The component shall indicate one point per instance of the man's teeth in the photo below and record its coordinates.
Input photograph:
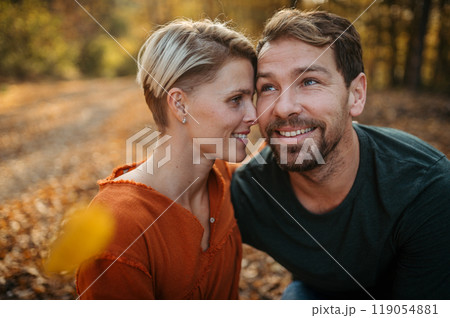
(242, 136)
(295, 132)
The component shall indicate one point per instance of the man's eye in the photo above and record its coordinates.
(309, 82)
(267, 88)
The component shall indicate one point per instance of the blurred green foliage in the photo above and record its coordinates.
(31, 43)
(42, 39)
(406, 43)
(99, 57)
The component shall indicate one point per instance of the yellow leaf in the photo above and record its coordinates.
(85, 234)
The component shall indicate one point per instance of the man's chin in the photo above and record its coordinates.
(291, 162)
(303, 167)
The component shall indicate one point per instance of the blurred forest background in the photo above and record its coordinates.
(406, 42)
(68, 102)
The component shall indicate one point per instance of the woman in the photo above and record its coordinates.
(176, 235)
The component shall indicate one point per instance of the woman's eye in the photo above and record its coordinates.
(309, 82)
(236, 99)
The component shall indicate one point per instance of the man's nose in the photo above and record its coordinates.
(287, 104)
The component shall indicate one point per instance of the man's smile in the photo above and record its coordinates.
(294, 133)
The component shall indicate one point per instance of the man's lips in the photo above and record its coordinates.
(294, 132)
(293, 127)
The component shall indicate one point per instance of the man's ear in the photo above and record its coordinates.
(176, 100)
(357, 95)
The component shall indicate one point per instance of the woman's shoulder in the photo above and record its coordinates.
(226, 169)
(132, 204)
(132, 209)
(129, 199)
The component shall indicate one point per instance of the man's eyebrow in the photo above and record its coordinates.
(312, 68)
(268, 74)
(298, 71)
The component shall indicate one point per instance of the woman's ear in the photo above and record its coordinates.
(357, 97)
(176, 100)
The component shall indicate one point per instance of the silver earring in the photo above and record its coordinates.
(184, 120)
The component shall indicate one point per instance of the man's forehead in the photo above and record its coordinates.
(294, 54)
(287, 47)
(263, 50)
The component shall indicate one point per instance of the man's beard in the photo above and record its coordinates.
(324, 146)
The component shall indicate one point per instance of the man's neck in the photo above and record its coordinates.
(322, 189)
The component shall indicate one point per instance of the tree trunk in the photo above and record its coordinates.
(422, 10)
(393, 18)
(442, 68)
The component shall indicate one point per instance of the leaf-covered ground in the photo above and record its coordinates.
(57, 139)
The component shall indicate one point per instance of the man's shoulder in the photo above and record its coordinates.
(394, 146)
(405, 169)
(260, 175)
(259, 166)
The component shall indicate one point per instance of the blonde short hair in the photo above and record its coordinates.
(185, 54)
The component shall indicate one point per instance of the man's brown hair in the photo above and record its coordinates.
(319, 28)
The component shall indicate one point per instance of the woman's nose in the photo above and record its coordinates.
(250, 113)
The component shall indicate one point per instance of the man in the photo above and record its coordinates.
(352, 211)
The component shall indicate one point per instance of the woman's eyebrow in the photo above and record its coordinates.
(242, 91)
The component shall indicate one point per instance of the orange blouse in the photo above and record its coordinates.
(160, 241)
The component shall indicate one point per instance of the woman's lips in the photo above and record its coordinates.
(242, 136)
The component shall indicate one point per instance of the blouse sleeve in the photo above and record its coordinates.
(105, 278)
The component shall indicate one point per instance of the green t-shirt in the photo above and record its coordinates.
(391, 232)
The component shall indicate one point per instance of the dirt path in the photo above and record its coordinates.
(57, 139)
(52, 148)
(45, 139)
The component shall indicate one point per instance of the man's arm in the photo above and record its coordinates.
(423, 264)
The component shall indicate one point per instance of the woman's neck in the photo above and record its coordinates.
(171, 171)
